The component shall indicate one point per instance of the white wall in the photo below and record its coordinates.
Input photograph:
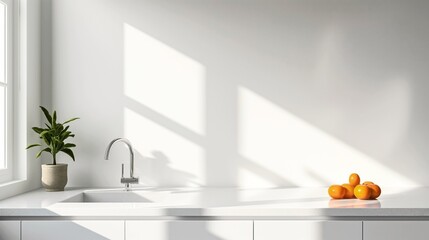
(245, 93)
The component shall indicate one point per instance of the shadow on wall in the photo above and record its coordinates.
(312, 68)
(157, 170)
(272, 93)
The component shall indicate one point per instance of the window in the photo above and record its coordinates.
(6, 89)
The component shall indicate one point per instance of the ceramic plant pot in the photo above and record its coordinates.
(54, 177)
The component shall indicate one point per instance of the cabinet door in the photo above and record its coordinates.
(396, 230)
(72, 230)
(189, 230)
(308, 230)
(10, 230)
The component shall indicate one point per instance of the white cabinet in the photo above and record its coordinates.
(189, 230)
(396, 230)
(72, 230)
(10, 230)
(308, 230)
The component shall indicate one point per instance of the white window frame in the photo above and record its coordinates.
(6, 174)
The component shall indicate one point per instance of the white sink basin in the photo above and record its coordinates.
(110, 196)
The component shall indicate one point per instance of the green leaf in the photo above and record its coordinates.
(33, 145)
(65, 135)
(52, 147)
(65, 129)
(47, 139)
(44, 133)
(38, 130)
(60, 128)
(70, 120)
(44, 150)
(69, 145)
(60, 145)
(68, 152)
(54, 119)
(47, 115)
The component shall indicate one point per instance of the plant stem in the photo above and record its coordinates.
(54, 156)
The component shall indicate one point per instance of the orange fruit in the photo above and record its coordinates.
(354, 179)
(336, 191)
(362, 192)
(367, 183)
(375, 191)
(349, 190)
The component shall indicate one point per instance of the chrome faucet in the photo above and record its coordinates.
(131, 179)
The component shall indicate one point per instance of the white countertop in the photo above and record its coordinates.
(220, 203)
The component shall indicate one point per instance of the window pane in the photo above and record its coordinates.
(2, 127)
(2, 42)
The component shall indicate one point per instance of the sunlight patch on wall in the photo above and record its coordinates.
(163, 79)
(168, 158)
(303, 155)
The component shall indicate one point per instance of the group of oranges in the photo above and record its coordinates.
(353, 189)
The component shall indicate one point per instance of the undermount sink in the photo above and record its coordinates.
(104, 196)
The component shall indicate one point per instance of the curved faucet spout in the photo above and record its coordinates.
(130, 148)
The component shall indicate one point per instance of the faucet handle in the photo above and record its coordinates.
(133, 180)
(122, 176)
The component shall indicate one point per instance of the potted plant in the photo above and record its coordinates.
(54, 175)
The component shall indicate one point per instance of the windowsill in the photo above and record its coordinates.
(12, 182)
(13, 188)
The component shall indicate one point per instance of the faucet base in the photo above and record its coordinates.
(128, 181)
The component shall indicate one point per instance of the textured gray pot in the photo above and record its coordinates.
(54, 177)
